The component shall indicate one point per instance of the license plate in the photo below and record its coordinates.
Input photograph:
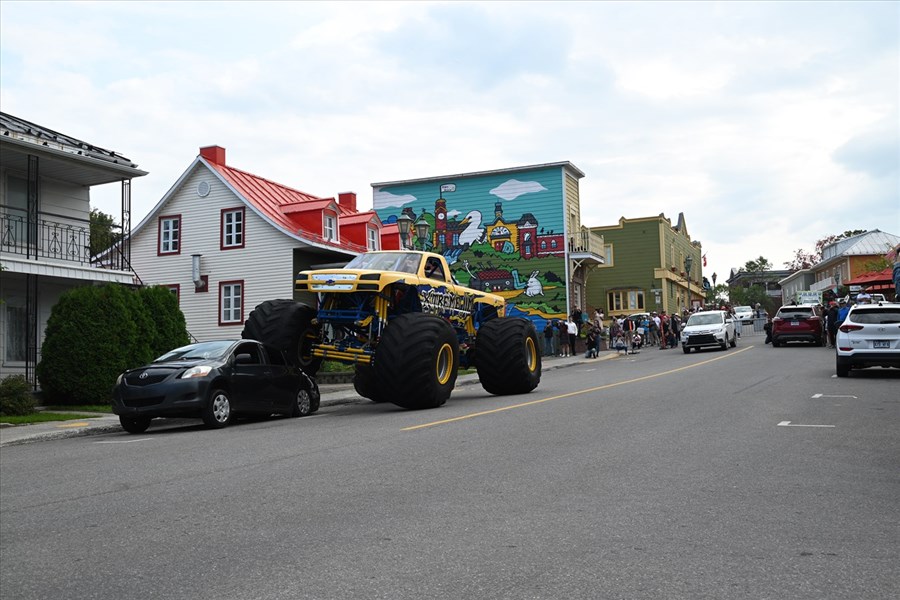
(795, 323)
(881, 344)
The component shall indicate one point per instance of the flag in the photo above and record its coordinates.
(704, 260)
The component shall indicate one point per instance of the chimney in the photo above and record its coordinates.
(347, 200)
(214, 154)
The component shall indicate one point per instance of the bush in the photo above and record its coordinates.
(95, 333)
(164, 327)
(16, 397)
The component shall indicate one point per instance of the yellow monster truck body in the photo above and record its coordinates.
(406, 325)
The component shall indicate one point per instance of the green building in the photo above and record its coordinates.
(651, 265)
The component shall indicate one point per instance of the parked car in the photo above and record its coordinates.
(744, 314)
(708, 328)
(868, 337)
(214, 381)
(797, 323)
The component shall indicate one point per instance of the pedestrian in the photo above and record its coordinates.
(557, 350)
(831, 316)
(591, 343)
(663, 330)
(548, 338)
(653, 328)
(572, 329)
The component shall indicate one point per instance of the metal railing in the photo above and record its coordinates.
(67, 240)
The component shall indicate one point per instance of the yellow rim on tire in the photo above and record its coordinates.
(532, 354)
(444, 364)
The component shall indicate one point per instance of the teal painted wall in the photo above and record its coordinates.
(500, 232)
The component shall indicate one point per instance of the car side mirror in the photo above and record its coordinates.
(243, 359)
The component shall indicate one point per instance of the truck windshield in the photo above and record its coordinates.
(705, 319)
(407, 262)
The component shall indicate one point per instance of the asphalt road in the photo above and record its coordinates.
(752, 473)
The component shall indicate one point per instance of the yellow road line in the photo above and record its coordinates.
(570, 394)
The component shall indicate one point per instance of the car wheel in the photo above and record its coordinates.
(685, 349)
(733, 342)
(775, 343)
(135, 424)
(217, 413)
(724, 345)
(302, 404)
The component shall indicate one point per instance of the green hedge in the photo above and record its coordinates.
(16, 397)
(94, 333)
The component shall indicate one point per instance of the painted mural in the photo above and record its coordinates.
(501, 233)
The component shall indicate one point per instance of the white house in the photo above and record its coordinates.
(225, 240)
(45, 193)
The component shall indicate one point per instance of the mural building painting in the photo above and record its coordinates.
(500, 232)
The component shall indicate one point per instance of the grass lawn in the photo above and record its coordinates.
(50, 413)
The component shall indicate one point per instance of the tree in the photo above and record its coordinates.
(103, 234)
(805, 260)
(760, 265)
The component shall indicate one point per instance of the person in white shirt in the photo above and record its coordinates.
(572, 328)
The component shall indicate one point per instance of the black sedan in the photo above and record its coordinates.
(214, 381)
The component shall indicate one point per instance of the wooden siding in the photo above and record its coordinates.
(265, 264)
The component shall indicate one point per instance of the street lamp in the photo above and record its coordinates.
(403, 223)
(688, 263)
(422, 227)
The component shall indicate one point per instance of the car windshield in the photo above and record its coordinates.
(705, 319)
(742, 309)
(879, 316)
(203, 350)
(797, 312)
(387, 261)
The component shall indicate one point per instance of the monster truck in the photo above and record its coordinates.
(406, 325)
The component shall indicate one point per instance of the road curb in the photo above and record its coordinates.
(333, 394)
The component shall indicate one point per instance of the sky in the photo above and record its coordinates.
(769, 125)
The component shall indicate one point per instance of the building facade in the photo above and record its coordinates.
(45, 236)
(513, 232)
(651, 265)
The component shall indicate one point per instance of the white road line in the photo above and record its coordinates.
(833, 396)
(125, 441)
(789, 424)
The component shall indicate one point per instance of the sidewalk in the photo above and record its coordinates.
(333, 394)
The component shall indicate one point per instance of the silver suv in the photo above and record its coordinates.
(868, 337)
(708, 328)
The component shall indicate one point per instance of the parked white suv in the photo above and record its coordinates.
(708, 328)
(868, 337)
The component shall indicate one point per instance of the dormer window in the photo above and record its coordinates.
(329, 228)
(372, 238)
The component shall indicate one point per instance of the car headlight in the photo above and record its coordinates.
(201, 371)
(119, 379)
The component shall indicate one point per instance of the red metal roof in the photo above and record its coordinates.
(884, 276)
(278, 202)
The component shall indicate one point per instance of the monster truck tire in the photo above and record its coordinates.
(416, 361)
(365, 384)
(285, 324)
(507, 357)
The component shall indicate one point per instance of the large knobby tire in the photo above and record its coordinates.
(218, 411)
(134, 424)
(286, 325)
(507, 357)
(416, 361)
(365, 384)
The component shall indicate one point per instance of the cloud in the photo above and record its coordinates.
(513, 188)
(384, 199)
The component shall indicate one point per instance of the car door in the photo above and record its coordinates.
(251, 379)
(283, 380)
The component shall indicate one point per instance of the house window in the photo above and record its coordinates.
(232, 226)
(16, 323)
(169, 235)
(329, 229)
(608, 250)
(231, 303)
(175, 288)
(16, 196)
(372, 238)
(626, 300)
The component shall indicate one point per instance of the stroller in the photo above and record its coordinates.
(637, 342)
